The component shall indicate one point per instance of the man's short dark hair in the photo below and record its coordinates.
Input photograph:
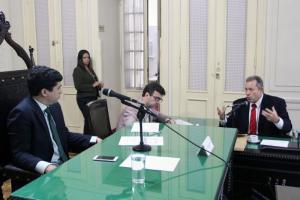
(152, 87)
(259, 81)
(42, 77)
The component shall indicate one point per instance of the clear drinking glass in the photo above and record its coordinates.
(138, 168)
(138, 191)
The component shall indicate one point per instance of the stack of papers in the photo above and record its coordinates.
(135, 140)
(182, 122)
(275, 143)
(155, 163)
(147, 127)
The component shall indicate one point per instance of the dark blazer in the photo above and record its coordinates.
(240, 119)
(83, 82)
(29, 136)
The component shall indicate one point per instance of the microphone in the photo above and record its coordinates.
(111, 93)
(236, 106)
(244, 103)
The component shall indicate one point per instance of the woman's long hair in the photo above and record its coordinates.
(90, 66)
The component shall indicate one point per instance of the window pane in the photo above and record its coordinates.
(139, 42)
(129, 78)
(131, 41)
(130, 23)
(138, 6)
(138, 22)
(128, 6)
(139, 79)
(139, 60)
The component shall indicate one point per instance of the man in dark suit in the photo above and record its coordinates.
(39, 138)
(258, 113)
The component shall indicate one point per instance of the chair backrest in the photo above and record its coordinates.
(99, 124)
(13, 88)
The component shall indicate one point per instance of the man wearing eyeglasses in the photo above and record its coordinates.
(151, 97)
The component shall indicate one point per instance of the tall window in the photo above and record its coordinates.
(236, 45)
(68, 27)
(198, 45)
(153, 39)
(42, 32)
(134, 43)
(141, 50)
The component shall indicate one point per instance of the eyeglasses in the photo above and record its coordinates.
(158, 99)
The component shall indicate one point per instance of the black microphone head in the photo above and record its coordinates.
(245, 103)
(106, 91)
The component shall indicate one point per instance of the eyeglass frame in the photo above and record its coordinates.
(157, 99)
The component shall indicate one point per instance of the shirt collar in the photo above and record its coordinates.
(42, 106)
(258, 103)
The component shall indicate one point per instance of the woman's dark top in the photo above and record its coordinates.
(83, 82)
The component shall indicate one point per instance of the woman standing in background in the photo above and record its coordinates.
(86, 83)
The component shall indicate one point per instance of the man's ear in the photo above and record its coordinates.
(147, 94)
(43, 92)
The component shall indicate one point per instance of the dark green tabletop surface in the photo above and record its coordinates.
(195, 177)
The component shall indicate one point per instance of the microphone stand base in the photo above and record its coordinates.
(142, 148)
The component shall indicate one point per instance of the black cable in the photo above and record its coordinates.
(182, 174)
(196, 144)
(149, 111)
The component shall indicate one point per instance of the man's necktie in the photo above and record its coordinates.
(55, 136)
(253, 119)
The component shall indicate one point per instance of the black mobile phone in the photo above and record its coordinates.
(105, 158)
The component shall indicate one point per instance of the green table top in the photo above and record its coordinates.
(195, 177)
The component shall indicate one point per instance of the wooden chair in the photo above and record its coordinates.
(13, 88)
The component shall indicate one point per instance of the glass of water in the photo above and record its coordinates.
(138, 168)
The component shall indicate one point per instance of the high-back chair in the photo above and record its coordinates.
(13, 88)
(99, 124)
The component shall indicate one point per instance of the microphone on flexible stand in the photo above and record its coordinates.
(236, 106)
(142, 110)
(111, 93)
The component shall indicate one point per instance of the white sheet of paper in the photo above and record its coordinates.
(134, 140)
(155, 163)
(182, 122)
(275, 143)
(147, 127)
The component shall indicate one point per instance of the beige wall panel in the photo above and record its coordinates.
(293, 107)
(72, 115)
(283, 45)
(282, 59)
(196, 108)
